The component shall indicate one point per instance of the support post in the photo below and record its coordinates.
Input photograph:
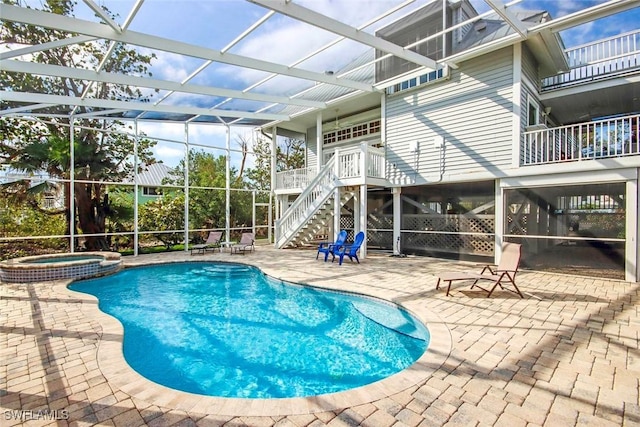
(319, 142)
(363, 219)
(632, 250)
(499, 221)
(336, 212)
(186, 189)
(397, 219)
(227, 205)
(253, 212)
(270, 219)
(272, 189)
(364, 157)
(72, 186)
(136, 196)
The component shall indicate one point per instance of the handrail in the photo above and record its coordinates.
(309, 200)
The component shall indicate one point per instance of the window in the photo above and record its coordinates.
(152, 191)
(344, 134)
(532, 113)
(329, 138)
(356, 131)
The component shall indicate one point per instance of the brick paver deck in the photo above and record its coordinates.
(566, 354)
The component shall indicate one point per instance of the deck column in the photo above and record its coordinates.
(397, 219)
(363, 219)
(498, 221)
(319, 142)
(336, 212)
(632, 252)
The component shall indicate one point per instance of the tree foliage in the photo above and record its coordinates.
(290, 154)
(164, 214)
(100, 153)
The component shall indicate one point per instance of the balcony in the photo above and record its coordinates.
(354, 166)
(616, 137)
(604, 59)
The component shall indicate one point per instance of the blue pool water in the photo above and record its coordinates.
(228, 330)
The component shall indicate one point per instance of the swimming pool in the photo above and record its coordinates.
(228, 330)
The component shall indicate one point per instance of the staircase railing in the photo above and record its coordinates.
(312, 198)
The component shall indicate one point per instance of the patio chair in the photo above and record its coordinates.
(211, 244)
(246, 244)
(350, 250)
(503, 274)
(329, 248)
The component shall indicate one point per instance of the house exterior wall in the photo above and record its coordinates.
(312, 150)
(472, 111)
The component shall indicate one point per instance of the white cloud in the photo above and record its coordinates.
(285, 41)
(210, 138)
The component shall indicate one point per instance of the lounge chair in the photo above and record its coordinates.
(503, 274)
(211, 244)
(329, 248)
(246, 244)
(350, 250)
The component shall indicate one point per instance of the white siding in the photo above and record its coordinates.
(472, 111)
(312, 150)
(530, 67)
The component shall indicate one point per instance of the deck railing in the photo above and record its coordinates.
(614, 137)
(295, 178)
(607, 57)
(353, 161)
(350, 164)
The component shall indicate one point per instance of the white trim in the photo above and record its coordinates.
(532, 101)
(517, 105)
(586, 177)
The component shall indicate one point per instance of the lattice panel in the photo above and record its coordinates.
(517, 224)
(441, 242)
(380, 239)
(380, 221)
(467, 224)
(346, 222)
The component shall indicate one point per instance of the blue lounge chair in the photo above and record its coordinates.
(350, 250)
(331, 248)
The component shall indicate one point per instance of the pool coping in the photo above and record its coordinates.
(112, 364)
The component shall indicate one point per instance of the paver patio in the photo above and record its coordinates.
(566, 354)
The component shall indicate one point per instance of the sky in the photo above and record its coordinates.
(215, 23)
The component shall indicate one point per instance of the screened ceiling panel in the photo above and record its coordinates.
(251, 62)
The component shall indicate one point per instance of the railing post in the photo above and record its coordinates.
(336, 165)
(363, 161)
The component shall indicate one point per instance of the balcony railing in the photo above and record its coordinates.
(350, 163)
(607, 57)
(295, 178)
(614, 137)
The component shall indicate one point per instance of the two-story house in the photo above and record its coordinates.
(512, 137)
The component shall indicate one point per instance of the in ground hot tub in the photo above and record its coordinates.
(41, 268)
